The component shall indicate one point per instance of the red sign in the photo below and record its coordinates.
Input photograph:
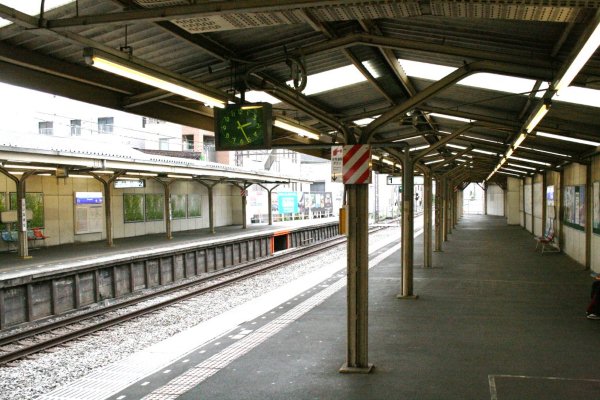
(357, 164)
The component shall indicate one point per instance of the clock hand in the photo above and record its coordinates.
(241, 128)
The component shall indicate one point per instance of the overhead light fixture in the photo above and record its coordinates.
(519, 140)
(179, 176)
(433, 161)
(509, 173)
(456, 146)
(103, 171)
(567, 138)
(521, 166)
(482, 139)
(30, 167)
(513, 170)
(386, 161)
(375, 157)
(540, 113)
(509, 152)
(489, 153)
(141, 174)
(588, 49)
(425, 146)
(531, 161)
(452, 117)
(364, 121)
(80, 176)
(546, 152)
(295, 127)
(130, 70)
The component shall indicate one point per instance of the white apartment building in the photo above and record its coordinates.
(26, 112)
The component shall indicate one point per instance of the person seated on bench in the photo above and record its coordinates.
(593, 310)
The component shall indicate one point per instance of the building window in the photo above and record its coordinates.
(105, 124)
(75, 127)
(46, 128)
(188, 142)
(148, 121)
(163, 144)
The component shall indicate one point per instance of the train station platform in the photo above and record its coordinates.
(494, 320)
(76, 255)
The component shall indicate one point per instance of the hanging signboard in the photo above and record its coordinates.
(129, 183)
(337, 160)
(394, 180)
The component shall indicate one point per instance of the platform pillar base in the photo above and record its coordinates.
(410, 297)
(345, 369)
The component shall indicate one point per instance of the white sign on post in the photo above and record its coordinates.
(337, 162)
(23, 216)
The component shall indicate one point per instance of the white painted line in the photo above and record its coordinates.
(494, 393)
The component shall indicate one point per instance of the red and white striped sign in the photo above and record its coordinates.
(357, 164)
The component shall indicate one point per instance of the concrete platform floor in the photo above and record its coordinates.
(494, 320)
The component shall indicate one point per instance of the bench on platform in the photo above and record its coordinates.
(547, 242)
(10, 239)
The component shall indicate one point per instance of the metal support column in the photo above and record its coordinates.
(444, 190)
(358, 280)
(427, 223)
(270, 210)
(450, 204)
(168, 212)
(269, 199)
(589, 204)
(439, 226)
(107, 187)
(108, 213)
(244, 196)
(22, 218)
(544, 201)
(211, 211)
(167, 205)
(455, 209)
(485, 198)
(408, 242)
(376, 200)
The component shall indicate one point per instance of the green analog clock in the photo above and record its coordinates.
(242, 127)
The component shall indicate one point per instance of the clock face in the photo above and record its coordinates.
(243, 127)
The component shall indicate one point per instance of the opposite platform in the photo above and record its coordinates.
(63, 257)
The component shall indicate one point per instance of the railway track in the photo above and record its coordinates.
(43, 337)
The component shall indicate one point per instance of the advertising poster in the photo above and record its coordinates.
(89, 215)
(575, 207)
(287, 202)
(596, 209)
(550, 195)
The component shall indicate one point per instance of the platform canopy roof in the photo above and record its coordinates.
(415, 72)
(78, 157)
